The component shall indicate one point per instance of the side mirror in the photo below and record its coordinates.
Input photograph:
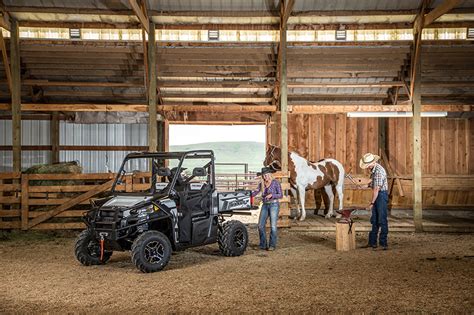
(163, 171)
(199, 171)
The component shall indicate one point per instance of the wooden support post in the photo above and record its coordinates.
(283, 93)
(54, 136)
(152, 115)
(416, 121)
(24, 201)
(284, 97)
(16, 95)
(6, 63)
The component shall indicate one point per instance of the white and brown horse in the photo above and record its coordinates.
(305, 175)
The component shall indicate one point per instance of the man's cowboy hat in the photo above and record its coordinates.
(368, 159)
(265, 170)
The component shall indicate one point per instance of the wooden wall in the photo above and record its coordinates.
(448, 150)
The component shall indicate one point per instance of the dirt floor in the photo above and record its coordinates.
(419, 273)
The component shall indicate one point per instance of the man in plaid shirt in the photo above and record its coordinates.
(379, 201)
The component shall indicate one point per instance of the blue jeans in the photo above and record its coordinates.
(379, 220)
(268, 210)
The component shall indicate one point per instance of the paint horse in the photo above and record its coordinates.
(305, 175)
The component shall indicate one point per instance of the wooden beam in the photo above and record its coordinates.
(344, 108)
(5, 20)
(345, 85)
(16, 95)
(152, 110)
(236, 108)
(35, 82)
(441, 9)
(286, 9)
(415, 92)
(217, 108)
(54, 136)
(140, 108)
(141, 15)
(6, 63)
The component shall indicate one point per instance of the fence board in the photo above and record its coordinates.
(24, 201)
(70, 203)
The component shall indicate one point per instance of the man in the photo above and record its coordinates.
(379, 201)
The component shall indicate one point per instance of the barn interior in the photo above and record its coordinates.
(327, 79)
(94, 80)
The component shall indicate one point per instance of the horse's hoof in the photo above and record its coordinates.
(338, 216)
(328, 216)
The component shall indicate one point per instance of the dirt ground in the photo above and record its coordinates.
(419, 273)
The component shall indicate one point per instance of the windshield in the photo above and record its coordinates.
(135, 175)
(141, 173)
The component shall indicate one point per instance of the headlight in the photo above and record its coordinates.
(145, 210)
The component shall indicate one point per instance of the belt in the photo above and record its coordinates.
(271, 201)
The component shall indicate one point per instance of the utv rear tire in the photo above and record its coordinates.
(151, 251)
(232, 238)
(87, 250)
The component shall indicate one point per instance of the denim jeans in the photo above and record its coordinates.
(268, 210)
(379, 220)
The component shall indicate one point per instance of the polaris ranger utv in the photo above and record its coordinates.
(167, 212)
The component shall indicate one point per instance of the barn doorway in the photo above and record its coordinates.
(238, 149)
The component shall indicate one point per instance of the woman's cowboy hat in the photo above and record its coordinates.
(265, 170)
(368, 159)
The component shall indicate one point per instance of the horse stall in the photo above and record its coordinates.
(87, 82)
(448, 184)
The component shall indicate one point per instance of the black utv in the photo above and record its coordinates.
(168, 211)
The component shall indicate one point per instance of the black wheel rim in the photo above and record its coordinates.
(239, 238)
(154, 252)
(93, 248)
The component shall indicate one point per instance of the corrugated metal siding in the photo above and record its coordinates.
(35, 132)
(104, 135)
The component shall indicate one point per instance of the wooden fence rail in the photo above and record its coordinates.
(57, 201)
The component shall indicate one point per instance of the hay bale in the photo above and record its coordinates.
(72, 167)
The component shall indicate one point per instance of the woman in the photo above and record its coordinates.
(271, 192)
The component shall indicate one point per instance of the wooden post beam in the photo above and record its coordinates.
(286, 9)
(152, 110)
(5, 20)
(54, 136)
(441, 9)
(16, 95)
(141, 15)
(6, 63)
(416, 121)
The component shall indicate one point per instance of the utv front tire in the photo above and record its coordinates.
(87, 250)
(232, 238)
(151, 251)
